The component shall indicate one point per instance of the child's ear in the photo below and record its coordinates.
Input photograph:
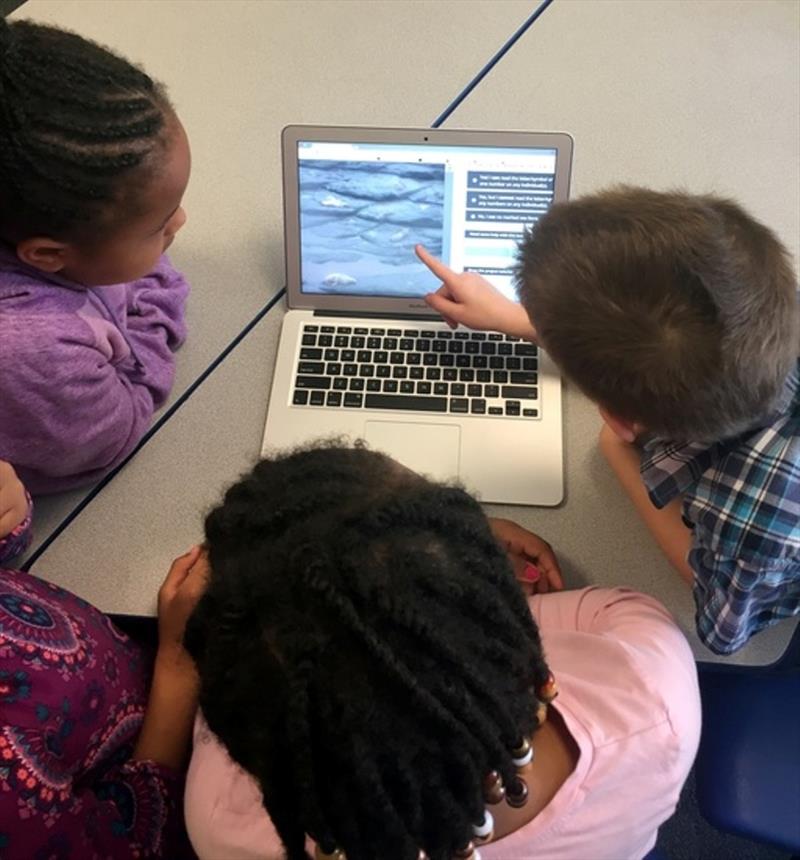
(47, 255)
(626, 430)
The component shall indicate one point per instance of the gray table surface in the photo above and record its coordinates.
(663, 93)
(238, 71)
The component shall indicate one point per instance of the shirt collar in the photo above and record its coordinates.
(669, 469)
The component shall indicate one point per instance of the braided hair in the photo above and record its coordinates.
(75, 123)
(364, 652)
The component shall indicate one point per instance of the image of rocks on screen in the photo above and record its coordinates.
(360, 221)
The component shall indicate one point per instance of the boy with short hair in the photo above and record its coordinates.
(677, 314)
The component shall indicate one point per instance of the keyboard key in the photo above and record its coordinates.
(446, 360)
(357, 342)
(312, 382)
(525, 349)
(530, 364)
(396, 358)
(399, 372)
(353, 400)
(483, 375)
(472, 347)
(406, 387)
(466, 375)
(497, 362)
(350, 370)
(474, 390)
(455, 346)
(491, 391)
(440, 388)
(445, 335)
(356, 384)
(429, 359)
(331, 354)
(423, 344)
(513, 363)
(489, 348)
(439, 346)
(433, 373)
(530, 413)
(512, 339)
(406, 343)
(334, 369)
(410, 332)
(523, 378)
(512, 407)
(390, 385)
(373, 343)
(500, 377)
(428, 333)
(373, 385)
(415, 403)
(340, 384)
(463, 361)
(495, 337)
(366, 370)
(519, 392)
(383, 370)
(308, 340)
(311, 367)
(390, 343)
(450, 374)
(348, 355)
(300, 398)
(457, 389)
(377, 331)
(459, 404)
(416, 372)
(477, 407)
(340, 340)
(380, 357)
(310, 354)
(394, 332)
(478, 335)
(334, 398)
(461, 335)
(360, 331)
(317, 398)
(495, 410)
(328, 329)
(480, 361)
(311, 328)
(344, 329)
(505, 349)
(424, 388)
(413, 358)
(324, 340)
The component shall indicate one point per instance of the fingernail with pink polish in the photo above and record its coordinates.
(531, 573)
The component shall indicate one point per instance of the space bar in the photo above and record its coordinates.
(417, 404)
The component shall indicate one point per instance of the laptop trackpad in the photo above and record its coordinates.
(430, 449)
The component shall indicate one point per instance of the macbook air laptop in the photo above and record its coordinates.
(362, 356)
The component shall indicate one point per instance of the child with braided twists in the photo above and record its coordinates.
(373, 683)
(93, 166)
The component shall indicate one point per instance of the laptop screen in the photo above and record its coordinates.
(363, 207)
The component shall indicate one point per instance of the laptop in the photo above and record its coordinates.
(362, 356)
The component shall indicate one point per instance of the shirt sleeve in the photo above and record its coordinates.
(68, 414)
(156, 326)
(131, 811)
(730, 596)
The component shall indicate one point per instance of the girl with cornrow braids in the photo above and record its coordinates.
(93, 166)
(373, 681)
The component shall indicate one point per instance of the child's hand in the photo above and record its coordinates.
(470, 299)
(177, 598)
(526, 550)
(13, 500)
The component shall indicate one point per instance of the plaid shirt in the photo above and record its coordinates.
(741, 497)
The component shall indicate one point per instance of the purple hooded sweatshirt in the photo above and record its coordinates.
(82, 370)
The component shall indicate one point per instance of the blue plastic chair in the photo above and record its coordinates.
(748, 765)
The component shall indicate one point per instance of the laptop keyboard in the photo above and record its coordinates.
(417, 369)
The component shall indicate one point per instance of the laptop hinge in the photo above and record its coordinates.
(379, 316)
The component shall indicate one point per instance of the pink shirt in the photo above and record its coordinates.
(629, 696)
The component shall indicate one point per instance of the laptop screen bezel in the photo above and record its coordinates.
(370, 304)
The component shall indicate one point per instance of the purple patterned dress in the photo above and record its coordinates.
(73, 690)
